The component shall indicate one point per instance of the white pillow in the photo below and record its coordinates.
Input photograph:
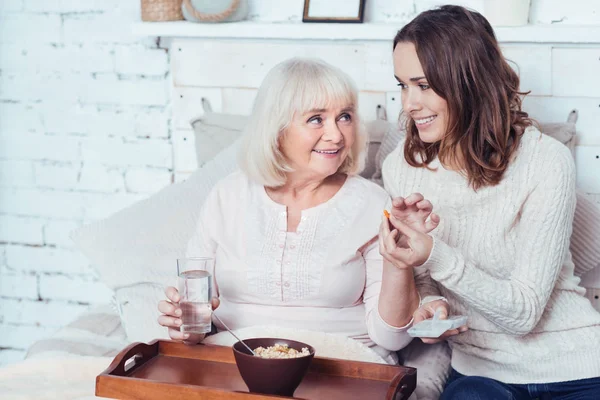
(134, 250)
(142, 242)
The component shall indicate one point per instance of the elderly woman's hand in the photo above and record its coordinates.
(427, 310)
(171, 317)
(407, 244)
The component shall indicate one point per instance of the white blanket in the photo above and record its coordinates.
(63, 378)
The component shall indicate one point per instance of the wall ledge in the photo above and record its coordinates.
(579, 34)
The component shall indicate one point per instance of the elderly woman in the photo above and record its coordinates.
(294, 233)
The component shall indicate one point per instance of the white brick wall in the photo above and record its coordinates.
(84, 132)
(87, 125)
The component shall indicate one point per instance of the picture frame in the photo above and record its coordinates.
(336, 11)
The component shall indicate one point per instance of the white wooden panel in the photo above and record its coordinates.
(276, 10)
(393, 105)
(238, 101)
(350, 58)
(261, 30)
(182, 176)
(587, 160)
(184, 151)
(565, 12)
(393, 11)
(556, 109)
(533, 64)
(367, 104)
(379, 67)
(423, 5)
(187, 104)
(576, 72)
(223, 63)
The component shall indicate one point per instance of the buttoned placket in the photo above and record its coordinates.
(280, 251)
(290, 257)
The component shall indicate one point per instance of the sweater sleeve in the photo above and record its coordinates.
(387, 336)
(516, 303)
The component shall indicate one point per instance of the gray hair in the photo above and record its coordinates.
(294, 86)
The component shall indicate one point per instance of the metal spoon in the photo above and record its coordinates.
(234, 335)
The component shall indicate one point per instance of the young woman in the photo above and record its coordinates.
(505, 195)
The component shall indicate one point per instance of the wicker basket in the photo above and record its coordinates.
(161, 10)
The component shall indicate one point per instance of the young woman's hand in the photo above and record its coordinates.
(171, 317)
(414, 211)
(427, 310)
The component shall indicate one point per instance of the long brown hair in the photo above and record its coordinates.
(464, 65)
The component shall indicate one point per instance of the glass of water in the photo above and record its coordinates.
(194, 283)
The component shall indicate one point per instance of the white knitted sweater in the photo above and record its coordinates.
(501, 257)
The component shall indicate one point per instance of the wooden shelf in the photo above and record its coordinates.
(580, 34)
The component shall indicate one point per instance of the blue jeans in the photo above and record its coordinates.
(460, 387)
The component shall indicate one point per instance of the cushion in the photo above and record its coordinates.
(432, 362)
(376, 131)
(395, 133)
(141, 242)
(585, 239)
(213, 132)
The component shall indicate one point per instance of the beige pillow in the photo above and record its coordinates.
(215, 131)
(376, 131)
(393, 136)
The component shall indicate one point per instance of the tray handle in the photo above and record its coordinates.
(402, 386)
(132, 357)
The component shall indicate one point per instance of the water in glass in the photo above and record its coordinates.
(195, 290)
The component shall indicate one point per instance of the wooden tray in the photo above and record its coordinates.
(168, 370)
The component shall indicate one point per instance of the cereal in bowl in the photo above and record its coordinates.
(280, 351)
